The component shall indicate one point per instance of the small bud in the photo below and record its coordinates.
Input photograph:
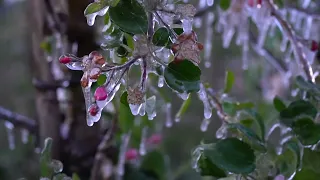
(94, 73)
(155, 139)
(175, 48)
(100, 94)
(93, 110)
(65, 59)
(200, 46)
(97, 58)
(84, 81)
(131, 154)
(314, 46)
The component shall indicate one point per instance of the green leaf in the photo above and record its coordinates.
(259, 121)
(162, 36)
(132, 173)
(311, 166)
(294, 147)
(183, 76)
(154, 163)
(295, 109)
(45, 159)
(246, 122)
(75, 176)
(229, 81)
(231, 108)
(225, 4)
(287, 163)
(279, 104)
(126, 119)
(130, 16)
(207, 168)
(184, 107)
(94, 8)
(250, 134)
(232, 155)
(306, 130)
(307, 174)
(101, 79)
(112, 40)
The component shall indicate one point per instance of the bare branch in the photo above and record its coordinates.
(18, 120)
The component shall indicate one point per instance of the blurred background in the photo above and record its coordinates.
(18, 93)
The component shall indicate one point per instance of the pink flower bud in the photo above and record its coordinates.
(155, 139)
(131, 154)
(100, 94)
(93, 110)
(314, 46)
(65, 59)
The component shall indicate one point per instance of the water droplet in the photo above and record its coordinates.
(160, 81)
(187, 25)
(135, 108)
(91, 18)
(56, 165)
(222, 132)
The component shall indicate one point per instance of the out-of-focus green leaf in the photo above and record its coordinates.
(229, 81)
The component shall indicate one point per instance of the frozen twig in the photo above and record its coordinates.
(18, 120)
(297, 46)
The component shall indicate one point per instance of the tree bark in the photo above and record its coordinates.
(48, 114)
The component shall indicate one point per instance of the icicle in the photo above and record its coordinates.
(135, 108)
(11, 140)
(271, 130)
(196, 155)
(208, 39)
(298, 21)
(142, 146)
(245, 51)
(227, 36)
(142, 110)
(204, 125)
(187, 25)
(222, 132)
(151, 107)
(88, 101)
(264, 32)
(184, 95)
(293, 16)
(168, 115)
(125, 138)
(305, 3)
(210, 2)
(308, 27)
(24, 135)
(207, 110)
(92, 17)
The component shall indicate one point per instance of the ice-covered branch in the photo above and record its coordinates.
(305, 12)
(18, 120)
(291, 35)
(276, 63)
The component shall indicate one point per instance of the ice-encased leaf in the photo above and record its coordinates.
(183, 76)
(126, 119)
(232, 155)
(130, 16)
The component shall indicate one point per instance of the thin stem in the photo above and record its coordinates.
(166, 25)
(297, 46)
(217, 105)
(126, 65)
(18, 120)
